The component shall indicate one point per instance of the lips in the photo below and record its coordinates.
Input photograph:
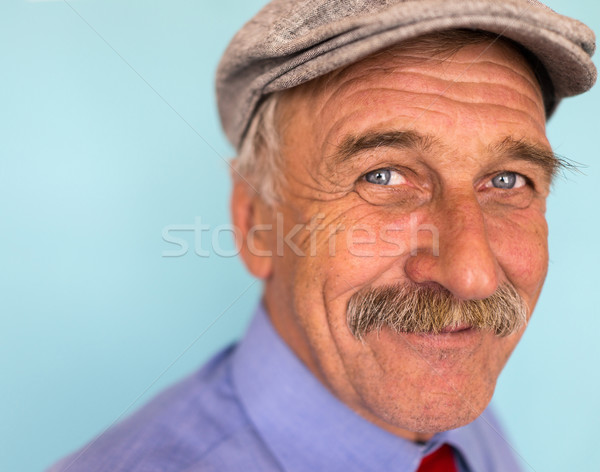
(455, 328)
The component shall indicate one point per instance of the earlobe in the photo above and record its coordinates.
(251, 217)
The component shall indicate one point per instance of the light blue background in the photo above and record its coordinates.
(109, 133)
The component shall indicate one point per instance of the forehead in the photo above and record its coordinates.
(482, 85)
(436, 47)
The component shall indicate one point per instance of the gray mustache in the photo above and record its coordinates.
(407, 308)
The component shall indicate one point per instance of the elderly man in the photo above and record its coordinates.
(390, 191)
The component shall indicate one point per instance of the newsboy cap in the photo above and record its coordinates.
(290, 42)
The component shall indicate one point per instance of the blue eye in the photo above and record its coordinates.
(385, 177)
(380, 177)
(508, 181)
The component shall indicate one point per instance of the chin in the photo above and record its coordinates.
(430, 410)
(443, 416)
(437, 384)
(434, 418)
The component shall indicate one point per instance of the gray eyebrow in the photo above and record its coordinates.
(353, 145)
(519, 149)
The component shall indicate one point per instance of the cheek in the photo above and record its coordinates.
(369, 246)
(521, 247)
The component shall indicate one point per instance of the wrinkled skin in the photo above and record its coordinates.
(466, 105)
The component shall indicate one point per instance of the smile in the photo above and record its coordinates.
(456, 329)
(455, 337)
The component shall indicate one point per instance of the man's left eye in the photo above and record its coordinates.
(507, 180)
(385, 177)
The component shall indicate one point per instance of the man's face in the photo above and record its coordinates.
(427, 172)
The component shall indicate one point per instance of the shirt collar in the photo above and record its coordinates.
(307, 428)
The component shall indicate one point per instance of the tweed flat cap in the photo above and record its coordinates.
(290, 42)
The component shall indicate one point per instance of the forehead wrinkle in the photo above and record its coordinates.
(358, 71)
(443, 87)
(513, 77)
(489, 64)
(344, 90)
(441, 101)
(398, 64)
(523, 101)
(449, 92)
(489, 82)
(393, 59)
(432, 105)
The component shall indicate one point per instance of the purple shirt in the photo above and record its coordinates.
(255, 408)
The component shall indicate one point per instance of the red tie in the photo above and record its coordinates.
(441, 460)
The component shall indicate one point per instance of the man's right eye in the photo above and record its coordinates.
(385, 177)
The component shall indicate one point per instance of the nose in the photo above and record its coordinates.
(465, 263)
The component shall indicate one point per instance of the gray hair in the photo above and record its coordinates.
(259, 156)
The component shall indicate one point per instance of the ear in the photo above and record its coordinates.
(253, 220)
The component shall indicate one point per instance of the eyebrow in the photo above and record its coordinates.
(353, 145)
(519, 149)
